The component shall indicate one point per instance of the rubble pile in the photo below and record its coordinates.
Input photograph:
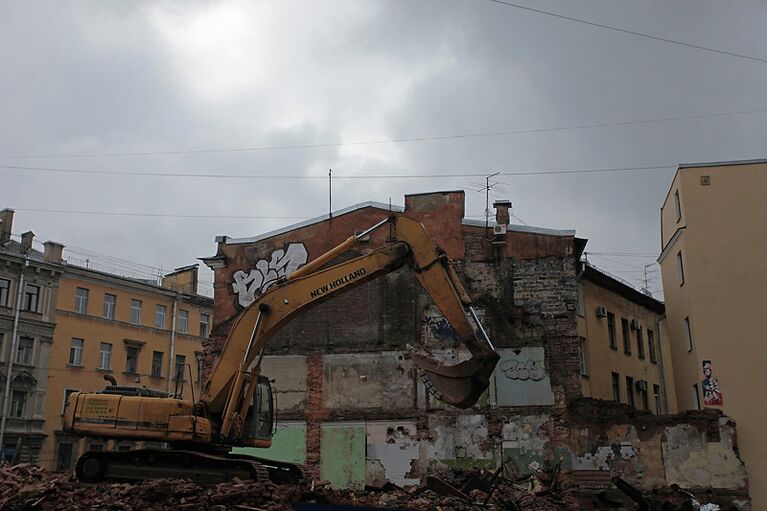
(27, 487)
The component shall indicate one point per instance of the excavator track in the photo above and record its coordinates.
(200, 467)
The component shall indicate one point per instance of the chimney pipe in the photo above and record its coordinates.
(6, 224)
(53, 250)
(26, 241)
(502, 208)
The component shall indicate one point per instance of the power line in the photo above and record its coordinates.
(390, 140)
(630, 32)
(161, 215)
(214, 175)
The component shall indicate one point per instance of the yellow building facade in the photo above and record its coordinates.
(714, 269)
(625, 355)
(136, 332)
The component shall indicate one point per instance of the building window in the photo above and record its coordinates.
(695, 396)
(5, 286)
(651, 346)
(183, 321)
(640, 345)
(643, 395)
(31, 297)
(680, 267)
(76, 352)
(581, 302)
(18, 403)
(688, 333)
(95, 446)
(204, 325)
(678, 205)
(159, 316)
(630, 390)
(131, 360)
(81, 300)
(110, 303)
(656, 395)
(616, 387)
(626, 336)
(24, 351)
(180, 367)
(157, 364)
(584, 356)
(611, 330)
(135, 311)
(64, 457)
(67, 393)
(105, 356)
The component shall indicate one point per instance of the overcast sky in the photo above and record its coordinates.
(126, 77)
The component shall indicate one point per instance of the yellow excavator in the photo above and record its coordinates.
(236, 407)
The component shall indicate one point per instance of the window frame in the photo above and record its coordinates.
(68, 391)
(583, 352)
(135, 309)
(630, 391)
(688, 333)
(626, 333)
(81, 302)
(77, 351)
(616, 386)
(680, 267)
(185, 315)
(158, 373)
(640, 345)
(612, 335)
(678, 204)
(157, 316)
(110, 309)
(14, 411)
(206, 331)
(696, 392)
(656, 397)
(131, 350)
(31, 299)
(109, 352)
(19, 350)
(180, 368)
(5, 291)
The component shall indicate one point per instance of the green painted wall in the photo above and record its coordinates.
(288, 444)
(342, 451)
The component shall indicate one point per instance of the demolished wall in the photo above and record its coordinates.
(347, 389)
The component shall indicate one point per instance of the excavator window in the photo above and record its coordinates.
(259, 422)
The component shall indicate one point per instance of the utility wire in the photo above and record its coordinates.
(630, 32)
(161, 215)
(390, 140)
(215, 175)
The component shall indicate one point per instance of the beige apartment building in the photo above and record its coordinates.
(141, 334)
(714, 269)
(625, 355)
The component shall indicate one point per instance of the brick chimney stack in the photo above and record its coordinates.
(53, 251)
(6, 224)
(502, 208)
(26, 241)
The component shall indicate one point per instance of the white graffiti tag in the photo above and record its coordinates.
(522, 369)
(266, 273)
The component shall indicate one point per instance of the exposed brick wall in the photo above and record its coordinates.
(315, 414)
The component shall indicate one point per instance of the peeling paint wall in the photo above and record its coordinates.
(392, 450)
(521, 377)
(343, 455)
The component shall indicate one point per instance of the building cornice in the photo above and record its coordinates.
(671, 243)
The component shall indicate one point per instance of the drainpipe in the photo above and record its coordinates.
(172, 361)
(660, 363)
(14, 340)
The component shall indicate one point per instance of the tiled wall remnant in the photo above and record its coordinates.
(343, 454)
(392, 450)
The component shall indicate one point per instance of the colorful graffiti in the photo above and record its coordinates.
(712, 394)
(266, 273)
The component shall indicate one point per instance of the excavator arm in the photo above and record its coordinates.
(229, 392)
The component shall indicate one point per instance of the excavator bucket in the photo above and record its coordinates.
(459, 385)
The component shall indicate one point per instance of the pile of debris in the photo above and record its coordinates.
(26, 487)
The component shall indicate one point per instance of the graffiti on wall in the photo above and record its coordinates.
(282, 262)
(712, 394)
(522, 368)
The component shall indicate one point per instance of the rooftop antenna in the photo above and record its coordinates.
(488, 186)
(330, 194)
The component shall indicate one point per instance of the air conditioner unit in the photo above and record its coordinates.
(499, 230)
(601, 311)
(635, 324)
(641, 385)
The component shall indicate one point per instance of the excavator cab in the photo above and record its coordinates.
(260, 419)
